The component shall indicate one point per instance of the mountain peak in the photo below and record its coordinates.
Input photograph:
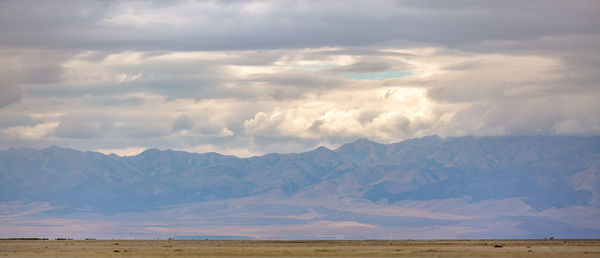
(149, 151)
(364, 141)
(57, 149)
(53, 148)
(361, 143)
(321, 149)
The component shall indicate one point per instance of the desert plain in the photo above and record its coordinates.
(324, 248)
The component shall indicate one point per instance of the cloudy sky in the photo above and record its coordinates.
(253, 77)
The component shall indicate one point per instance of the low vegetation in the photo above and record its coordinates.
(329, 248)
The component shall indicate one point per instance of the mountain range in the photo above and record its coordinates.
(429, 187)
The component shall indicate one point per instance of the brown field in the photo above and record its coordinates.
(326, 248)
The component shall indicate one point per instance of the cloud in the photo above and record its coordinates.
(10, 93)
(376, 76)
(114, 101)
(18, 120)
(363, 67)
(360, 113)
(24, 134)
(182, 122)
(131, 151)
(125, 25)
(254, 77)
(278, 102)
(79, 127)
(19, 67)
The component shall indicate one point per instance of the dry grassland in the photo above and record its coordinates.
(325, 248)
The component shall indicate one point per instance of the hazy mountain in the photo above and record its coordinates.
(543, 173)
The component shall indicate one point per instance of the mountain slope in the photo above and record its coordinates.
(451, 179)
(539, 169)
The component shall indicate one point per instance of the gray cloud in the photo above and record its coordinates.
(114, 101)
(81, 126)
(182, 122)
(539, 116)
(142, 131)
(121, 25)
(19, 67)
(9, 93)
(18, 120)
(363, 67)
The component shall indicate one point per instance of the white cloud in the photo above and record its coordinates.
(131, 151)
(350, 113)
(29, 133)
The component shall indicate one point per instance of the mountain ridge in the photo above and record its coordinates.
(535, 174)
(389, 167)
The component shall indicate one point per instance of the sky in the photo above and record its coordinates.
(253, 77)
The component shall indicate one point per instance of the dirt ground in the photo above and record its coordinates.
(334, 248)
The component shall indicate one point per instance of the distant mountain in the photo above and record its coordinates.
(545, 172)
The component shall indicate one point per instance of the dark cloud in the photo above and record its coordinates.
(362, 51)
(183, 122)
(121, 25)
(18, 120)
(79, 129)
(581, 73)
(315, 126)
(114, 101)
(527, 116)
(19, 67)
(141, 131)
(42, 73)
(9, 93)
(464, 66)
(84, 125)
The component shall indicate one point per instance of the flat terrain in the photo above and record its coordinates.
(334, 248)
